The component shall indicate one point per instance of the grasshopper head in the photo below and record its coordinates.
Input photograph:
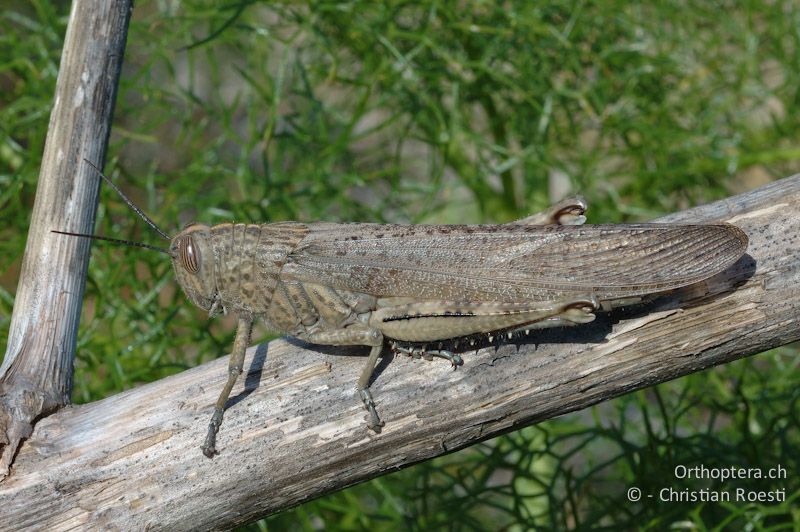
(193, 260)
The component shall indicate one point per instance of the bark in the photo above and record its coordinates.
(295, 430)
(36, 375)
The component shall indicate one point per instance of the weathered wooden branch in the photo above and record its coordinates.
(36, 375)
(294, 429)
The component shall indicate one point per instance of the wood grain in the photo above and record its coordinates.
(294, 429)
(36, 375)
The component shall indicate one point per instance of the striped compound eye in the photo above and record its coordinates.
(189, 254)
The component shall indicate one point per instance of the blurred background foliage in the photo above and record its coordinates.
(436, 111)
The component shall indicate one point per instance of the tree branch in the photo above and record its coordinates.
(295, 430)
(36, 375)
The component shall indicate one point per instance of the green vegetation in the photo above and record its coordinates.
(437, 111)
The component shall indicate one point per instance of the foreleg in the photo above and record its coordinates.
(234, 370)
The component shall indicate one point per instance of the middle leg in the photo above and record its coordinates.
(357, 334)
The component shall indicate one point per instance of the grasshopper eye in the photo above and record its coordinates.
(189, 254)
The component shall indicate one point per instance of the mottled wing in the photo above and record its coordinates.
(512, 262)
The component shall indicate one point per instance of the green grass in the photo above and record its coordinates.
(435, 111)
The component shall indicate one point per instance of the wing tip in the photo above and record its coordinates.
(737, 235)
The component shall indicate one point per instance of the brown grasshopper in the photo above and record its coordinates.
(364, 284)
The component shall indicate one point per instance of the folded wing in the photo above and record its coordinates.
(512, 262)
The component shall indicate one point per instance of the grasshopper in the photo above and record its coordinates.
(416, 285)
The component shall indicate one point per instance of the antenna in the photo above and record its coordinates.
(132, 205)
(115, 241)
(136, 209)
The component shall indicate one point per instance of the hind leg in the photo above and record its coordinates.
(569, 211)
